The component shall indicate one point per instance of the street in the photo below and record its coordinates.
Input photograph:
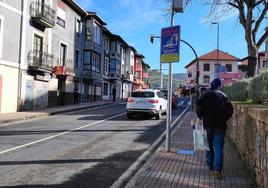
(87, 148)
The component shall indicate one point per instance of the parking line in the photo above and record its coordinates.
(54, 136)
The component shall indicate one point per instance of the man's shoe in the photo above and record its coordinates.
(217, 175)
(210, 167)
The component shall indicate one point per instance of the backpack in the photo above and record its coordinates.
(225, 107)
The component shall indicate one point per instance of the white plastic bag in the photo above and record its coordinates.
(200, 137)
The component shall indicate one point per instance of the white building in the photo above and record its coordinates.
(224, 67)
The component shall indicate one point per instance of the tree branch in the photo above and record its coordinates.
(258, 2)
(263, 38)
(233, 5)
(260, 19)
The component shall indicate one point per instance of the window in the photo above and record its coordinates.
(263, 62)
(206, 79)
(87, 60)
(95, 62)
(118, 47)
(78, 27)
(105, 89)
(61, 8)
(63, 50)
(76, 58)
(97, 33)
(1, 34)
(206, 67)
(131, 69)
(38, 43)
(37, 49)
(229, 67)
(106, 66)
(141, 94)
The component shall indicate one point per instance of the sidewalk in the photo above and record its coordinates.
(180, 170)
(9, 118)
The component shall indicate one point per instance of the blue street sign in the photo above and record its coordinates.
(220, 68)
(170, 44)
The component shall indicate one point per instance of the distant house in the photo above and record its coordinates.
(261, 63)
(224, 67)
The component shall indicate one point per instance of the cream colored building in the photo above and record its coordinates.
(211, 65)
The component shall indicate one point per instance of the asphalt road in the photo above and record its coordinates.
(89, 148)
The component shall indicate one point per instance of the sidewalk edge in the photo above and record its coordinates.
(137, 165)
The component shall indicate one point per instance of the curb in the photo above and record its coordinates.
(137, 165)
(46, 114)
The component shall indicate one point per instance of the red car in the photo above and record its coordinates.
(174, 97)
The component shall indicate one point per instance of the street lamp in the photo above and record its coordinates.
(218, 32)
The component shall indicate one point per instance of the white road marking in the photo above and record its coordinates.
(66, 132)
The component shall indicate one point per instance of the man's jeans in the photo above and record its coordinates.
(216, 144)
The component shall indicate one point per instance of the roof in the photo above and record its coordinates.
(75, 7)
(96, 16)
(118, 37)
(146, 65)
(139, 55)
(223, 56)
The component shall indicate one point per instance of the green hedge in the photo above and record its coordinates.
(252, 89)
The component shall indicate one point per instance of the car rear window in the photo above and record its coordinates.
(143, 94)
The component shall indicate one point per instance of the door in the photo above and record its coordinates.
(61, 92)
(94, 92)
(37, 51)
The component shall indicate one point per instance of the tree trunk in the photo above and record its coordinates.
(252, 61)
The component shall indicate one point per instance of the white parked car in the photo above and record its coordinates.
(146, 101)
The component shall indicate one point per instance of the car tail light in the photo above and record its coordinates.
(130, 100)
(153, 101)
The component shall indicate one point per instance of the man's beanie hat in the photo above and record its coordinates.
(215, 84)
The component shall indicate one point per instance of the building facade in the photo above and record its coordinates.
(49, 48)
(224, 67)
(11, 61)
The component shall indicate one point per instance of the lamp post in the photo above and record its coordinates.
(218, 36)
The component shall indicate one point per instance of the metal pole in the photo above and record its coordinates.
(161, 76)
(218, 31)
(169, 111)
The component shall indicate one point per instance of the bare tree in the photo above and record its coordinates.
(251, 16)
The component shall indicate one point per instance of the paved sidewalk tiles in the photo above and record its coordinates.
(169, 169)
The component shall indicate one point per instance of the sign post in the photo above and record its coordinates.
(170, 47)
(170, 44)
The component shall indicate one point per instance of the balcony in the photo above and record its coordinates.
(42, 14)
(126, 76)
(91, 45)
(114, 76)
(91, 75)
(40, 61)
(67, 69)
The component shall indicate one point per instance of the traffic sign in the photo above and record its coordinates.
(170, 44)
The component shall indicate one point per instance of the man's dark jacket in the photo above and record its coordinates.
(215, 109)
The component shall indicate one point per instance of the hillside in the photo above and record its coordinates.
(154, 79)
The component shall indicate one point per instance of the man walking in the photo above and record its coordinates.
(215, 109)
(76, 96)
(114, 93)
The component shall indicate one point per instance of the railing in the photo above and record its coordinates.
(67, 64)
(43, 12)
(90, 74)
(90, 44)
(40, 59)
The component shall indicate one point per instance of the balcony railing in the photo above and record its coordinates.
(68, 66)
(40, 60)
(43, 14)
(91, 75)
(90, 44)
